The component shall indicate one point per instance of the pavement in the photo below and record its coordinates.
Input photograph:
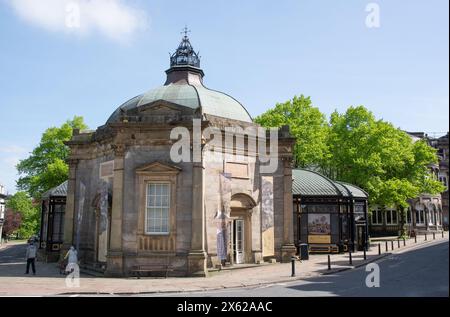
(414, 272)
(48, 281)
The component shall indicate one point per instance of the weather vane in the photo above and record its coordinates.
(186, 31)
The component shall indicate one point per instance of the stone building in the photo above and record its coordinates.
(51, 233)
(329, 216)
(425, 213)
(2, 208)
(129, 203)
(441, 145)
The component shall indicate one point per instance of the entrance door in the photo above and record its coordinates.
(239, 240)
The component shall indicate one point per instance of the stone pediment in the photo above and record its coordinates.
(158, 168)
(159, 108)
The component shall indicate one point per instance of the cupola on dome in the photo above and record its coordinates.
(184, 88)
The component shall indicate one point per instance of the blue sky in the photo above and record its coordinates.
(261, 52)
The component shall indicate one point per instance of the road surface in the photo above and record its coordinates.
(420, 272)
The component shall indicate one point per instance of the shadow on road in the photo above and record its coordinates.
(422, 272)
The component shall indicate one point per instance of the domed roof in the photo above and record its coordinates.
(309, 183)
(184, 87)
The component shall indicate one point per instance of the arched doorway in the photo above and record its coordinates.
(241, 228)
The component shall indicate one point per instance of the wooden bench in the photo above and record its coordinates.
(149, 268)
(323, 248)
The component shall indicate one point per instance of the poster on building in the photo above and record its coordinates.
(319, 228)
(222, 217)
(267, 209)
(103, 225)
(80, 213)
(221, 221)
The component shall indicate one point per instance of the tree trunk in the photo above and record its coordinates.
(402, 214)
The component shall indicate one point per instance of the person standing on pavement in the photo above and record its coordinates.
(31, 258)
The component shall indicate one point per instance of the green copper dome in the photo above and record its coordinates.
(184, 87)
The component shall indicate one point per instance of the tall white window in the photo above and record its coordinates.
(377, 217)
(391, 217)
(408, 216)
(420, 217)
(431, 217)
(158, 208)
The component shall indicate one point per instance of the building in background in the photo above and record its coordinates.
(426, 213)
(441, 144)
(2, 209)
(329, 216)
(51, 236)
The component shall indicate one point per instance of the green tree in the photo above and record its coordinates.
(46, 168)
(379, 158)
(23, 204)
(307, 124)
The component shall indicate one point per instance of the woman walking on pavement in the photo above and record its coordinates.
(72, 254)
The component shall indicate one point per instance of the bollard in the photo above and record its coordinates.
(329, 262)
(350, 257)
(426, 237)
(434, 236)
(398, 244)
(404, 242)
(293, 266)
(386, 247)
(365, 256)
(442, 233)
(415, 239)
(392, 244)
(379, 249)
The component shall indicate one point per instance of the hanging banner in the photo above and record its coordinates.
(222, 217)
(103, 225)
(80, 213)
(267, 210)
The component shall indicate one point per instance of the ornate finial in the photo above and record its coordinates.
(185, 54)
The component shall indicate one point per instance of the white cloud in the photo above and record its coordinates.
(114, 19)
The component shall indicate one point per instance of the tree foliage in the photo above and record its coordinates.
(357, 148)
(22, 204)
(13, 220)
(379, 158)
(46, 168)
(307, 124)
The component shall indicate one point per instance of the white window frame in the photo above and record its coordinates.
(392, 212)
(147, 208)
(410, 220)
(379, 217)
(420, 221)
(431, 217)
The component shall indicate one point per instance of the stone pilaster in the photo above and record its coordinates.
(115, 254)
(70, 208)
(197, 256)
(288, 248)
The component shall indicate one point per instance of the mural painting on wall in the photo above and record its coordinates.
(319, 228)
(267, 216)
(319, 224)
(103, 225)
(223, 217)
